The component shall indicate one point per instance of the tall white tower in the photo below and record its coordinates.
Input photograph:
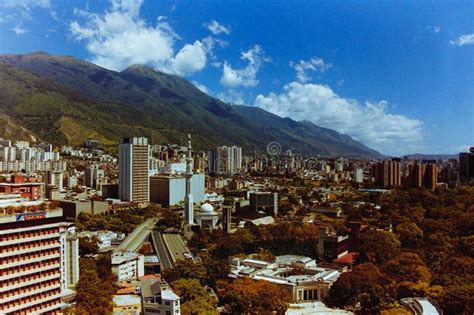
(188, 199)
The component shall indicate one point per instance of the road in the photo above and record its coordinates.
(161, 250)
(134, 240)
(176, 246)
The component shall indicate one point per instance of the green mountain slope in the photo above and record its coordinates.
(65, 100)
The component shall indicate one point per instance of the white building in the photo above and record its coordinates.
(69, 257)
(128, 265)
(225, 160)
(312, 285)
(158, 298)
(358, 175)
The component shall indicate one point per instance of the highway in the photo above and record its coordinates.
(161, 250)
(176, 246)
(134, 240)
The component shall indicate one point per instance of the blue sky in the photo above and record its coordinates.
(398, 76)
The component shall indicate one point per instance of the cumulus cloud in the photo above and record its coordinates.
(368, 122)
(462, 40)
(247, 76)
(120, 37)
(304, 66)
(217, 28)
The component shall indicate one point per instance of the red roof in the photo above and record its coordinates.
(348, 259)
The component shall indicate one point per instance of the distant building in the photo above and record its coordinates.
(466, 165)
(358, 175)
(170, 190)
(127, 265)
(133, 169)
(158, 297)
(93, 175)
(264, 201)
(225, 160)
(73, 208)
(423, 174)
(332, 246)
(388, 173)
(55, 178)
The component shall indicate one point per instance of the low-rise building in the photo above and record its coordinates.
(127, 265)
(309, 283)
(158, 297)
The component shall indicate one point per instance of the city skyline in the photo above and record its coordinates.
(399, 79)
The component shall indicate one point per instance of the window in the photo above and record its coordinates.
(167, 303)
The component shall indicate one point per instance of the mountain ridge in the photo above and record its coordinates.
(48, 95)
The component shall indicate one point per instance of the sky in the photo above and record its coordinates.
(396, 75)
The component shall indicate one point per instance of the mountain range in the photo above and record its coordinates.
(64, 100)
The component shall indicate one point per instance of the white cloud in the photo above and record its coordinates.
(304, 66)
(201, 87)
(369, 122)
(19, 30)
(191, 58)
(217, 28)
(247, 76)
(120, 37)
(433, 29)
(26, 4)
(232, 97)
(463, 40)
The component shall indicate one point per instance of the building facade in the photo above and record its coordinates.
(133, 169)
(225, 160)
(30, 268)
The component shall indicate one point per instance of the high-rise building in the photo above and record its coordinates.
(69, 256)
(358, 175)
(225, 160)
(56, 179)
(388, 173)
(466, 165)
(133, 169)
(92, 175)
(188, 198)
(423, 174)
(30, 262)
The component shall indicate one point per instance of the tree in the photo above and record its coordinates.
(194, 298)
(247, 295)
(458, 300)
(378, 246)
(409, 234)
(94, 293)
(365, 286)
(186, 269)
(88, 245)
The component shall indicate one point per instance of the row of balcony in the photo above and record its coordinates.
(18, 304)
(13, 261)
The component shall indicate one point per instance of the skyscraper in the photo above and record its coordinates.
(387, 173)
(225, 160)
(188, 198)
(133, 169)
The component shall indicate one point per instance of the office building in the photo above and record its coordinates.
(225, 160)
(170, 190)
(133, 169)
(423, 174)
(30, 262)
(466, 165)
(93, 175)
(30, 189)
